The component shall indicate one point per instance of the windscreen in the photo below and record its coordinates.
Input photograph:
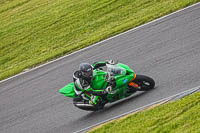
(115, 70)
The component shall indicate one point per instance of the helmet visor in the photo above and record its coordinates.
(87, 74)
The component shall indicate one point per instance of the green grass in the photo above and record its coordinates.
(181, 116)
(35, 31)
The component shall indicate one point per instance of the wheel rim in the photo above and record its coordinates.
(146, 83)
(143, 85)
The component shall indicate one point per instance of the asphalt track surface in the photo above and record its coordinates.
(167, 50)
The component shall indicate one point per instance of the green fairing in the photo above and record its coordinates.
(127, 68)
(99, 83)
(121, 83)
(99, 80)
(68, 90)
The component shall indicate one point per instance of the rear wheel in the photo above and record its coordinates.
(144, 83)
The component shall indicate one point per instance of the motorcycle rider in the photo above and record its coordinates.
(84, 77)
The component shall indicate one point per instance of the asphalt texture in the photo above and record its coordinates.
(168, 50)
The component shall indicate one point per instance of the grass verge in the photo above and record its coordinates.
(180, 116)
(35, 31)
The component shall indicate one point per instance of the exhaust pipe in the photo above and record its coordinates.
(85, 106)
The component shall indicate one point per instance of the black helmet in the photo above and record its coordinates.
(86, 70)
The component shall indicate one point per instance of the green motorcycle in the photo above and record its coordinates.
(127, 83)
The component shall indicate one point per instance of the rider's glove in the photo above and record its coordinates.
(108, 89)
(112, 62)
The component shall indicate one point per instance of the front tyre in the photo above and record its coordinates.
(145, 83)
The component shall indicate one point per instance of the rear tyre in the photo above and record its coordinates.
(145, 83)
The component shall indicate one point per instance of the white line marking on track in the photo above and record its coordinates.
(141, 108)
(136, 28)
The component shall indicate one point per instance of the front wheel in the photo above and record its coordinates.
(144, 83)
